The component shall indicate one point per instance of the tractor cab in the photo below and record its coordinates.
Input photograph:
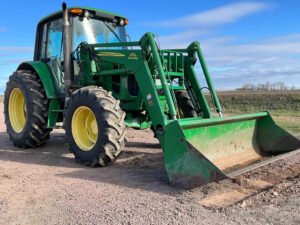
(88, 25)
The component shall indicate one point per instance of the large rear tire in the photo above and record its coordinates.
(185, 105)
(26, 110)
(95, 127)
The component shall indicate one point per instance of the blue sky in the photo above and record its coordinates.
(243, 41)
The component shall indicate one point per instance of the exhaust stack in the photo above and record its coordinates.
(67, 50)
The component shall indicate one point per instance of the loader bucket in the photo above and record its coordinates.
(209, 150)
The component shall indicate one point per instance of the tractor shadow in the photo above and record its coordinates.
(54, 153)
(139, 166)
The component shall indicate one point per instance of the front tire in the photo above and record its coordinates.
(95, 127)
(26, 110)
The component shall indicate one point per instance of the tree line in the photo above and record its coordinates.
(268, 86)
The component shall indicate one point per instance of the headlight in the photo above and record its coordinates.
(121, 22)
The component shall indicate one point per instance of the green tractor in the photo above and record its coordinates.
(87, 75)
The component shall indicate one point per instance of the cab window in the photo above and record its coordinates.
(52, 40)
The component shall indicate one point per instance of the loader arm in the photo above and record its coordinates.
(196, 150)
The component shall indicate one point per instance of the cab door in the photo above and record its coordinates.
(50, 50)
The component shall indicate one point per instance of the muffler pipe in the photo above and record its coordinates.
(67, 46)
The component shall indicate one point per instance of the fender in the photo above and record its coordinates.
(46, 77)
(44, 74)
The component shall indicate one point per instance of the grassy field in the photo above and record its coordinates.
(283, 106)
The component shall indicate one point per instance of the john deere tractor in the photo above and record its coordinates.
(86, 75)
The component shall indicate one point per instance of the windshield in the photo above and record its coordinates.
(95, 31)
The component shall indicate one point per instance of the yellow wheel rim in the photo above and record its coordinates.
(84, 128)
(17, 110)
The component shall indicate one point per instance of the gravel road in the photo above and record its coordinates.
(46, 186)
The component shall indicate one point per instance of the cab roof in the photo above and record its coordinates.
(98, 12)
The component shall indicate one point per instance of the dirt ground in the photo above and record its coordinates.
(46, 186)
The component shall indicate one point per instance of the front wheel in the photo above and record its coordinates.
(95, 127)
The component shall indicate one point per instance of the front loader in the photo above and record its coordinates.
(87, 75)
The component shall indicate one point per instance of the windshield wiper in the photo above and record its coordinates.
(112, 30)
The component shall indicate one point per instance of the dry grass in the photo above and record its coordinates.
(283, 106)
(279, 103)
(290, 123)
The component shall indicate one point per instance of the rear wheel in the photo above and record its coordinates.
(185, 105)
(95, 127)
(26, 110)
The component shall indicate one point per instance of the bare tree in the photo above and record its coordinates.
(268, 86)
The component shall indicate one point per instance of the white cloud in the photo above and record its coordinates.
(13, 61)
(14, 49)
(183, 39)
(10, 58)
(231, 64)
(272, 59)
(221, 15)
(266, 51)
(179, 39)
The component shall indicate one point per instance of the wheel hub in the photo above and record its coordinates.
(17, 110)
(84, 128)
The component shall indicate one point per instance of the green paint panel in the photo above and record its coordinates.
(185, 165)
(54, 109)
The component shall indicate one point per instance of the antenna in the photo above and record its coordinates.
(157, 37)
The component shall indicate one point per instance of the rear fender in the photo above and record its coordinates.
(46, 77)
(44, 74)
